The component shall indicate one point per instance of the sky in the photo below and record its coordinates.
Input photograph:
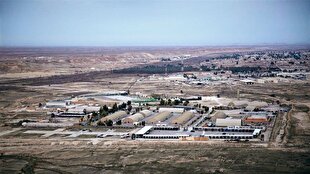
(153, 22)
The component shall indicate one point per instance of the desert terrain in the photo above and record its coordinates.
(30, 76)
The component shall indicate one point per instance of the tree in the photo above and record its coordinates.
(206, 108)
(176, 102)
(94, 113)
(186, 103)
(129, 108)
(105, 108)
(103, 112)
(124, 105)
(114, 108)
(162, 102)
(119, 122)
(109, 123)
(169, 102)
(156, 96)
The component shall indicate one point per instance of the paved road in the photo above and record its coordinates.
(9, 131)
(202, 119)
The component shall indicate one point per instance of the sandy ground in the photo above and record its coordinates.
(31, 153)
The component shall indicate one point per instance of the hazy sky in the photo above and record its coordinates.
(153, 22)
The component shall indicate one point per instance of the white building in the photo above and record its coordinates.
(174, 110)
(57, 104)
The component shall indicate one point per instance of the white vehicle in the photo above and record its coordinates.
(161, 124)
(125, 136)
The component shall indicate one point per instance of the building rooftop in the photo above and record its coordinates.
(143, 130)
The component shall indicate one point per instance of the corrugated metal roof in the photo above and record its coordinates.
(160, 117)
(143, 130)
(183, 118)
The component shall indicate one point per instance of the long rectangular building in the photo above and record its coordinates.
(223, 122)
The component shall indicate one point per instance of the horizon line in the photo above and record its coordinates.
(128, 46)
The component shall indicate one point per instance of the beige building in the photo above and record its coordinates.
(182, 119)
(162, 116)
(114, 117)
(137, 117)
(228, 122)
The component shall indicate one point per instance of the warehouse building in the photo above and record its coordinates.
(137, 117)
(231, 137)
(162, 116)
(164, 136)
(57, 104)
(174, 110)
(256, 119)
(227, 122)
(46, 125)
(236, 133)
(229, 129)
(114, 117)
(218, 115)
(182, 119)
(69, 114)
(143, 131)
(81, 109)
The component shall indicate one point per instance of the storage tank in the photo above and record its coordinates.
(159, 117)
